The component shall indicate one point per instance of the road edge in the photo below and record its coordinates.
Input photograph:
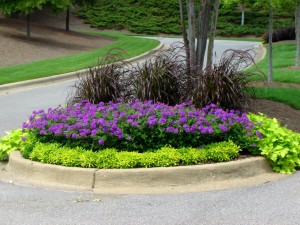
(160, 180)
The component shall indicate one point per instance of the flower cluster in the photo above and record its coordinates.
(139, 125)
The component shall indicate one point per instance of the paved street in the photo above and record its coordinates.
(275, 203)
(270, 203)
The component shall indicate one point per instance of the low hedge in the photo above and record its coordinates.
(55, 153)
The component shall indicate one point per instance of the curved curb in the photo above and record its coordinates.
(67, 76)
(261, 52)
(204, 177)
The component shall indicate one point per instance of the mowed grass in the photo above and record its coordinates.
(133, 46)
(283, 71)
(283, 59)
(289, 96)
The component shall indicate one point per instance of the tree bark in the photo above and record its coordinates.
(191, 6)
(203, 24)
(270, 70)
(185, 38)
(243, 13)
(212, 33)
(28, 26)
(68, 19)
(297, 29)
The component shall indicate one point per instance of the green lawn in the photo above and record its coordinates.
(132, 45)
(289, 96)
(283, 58)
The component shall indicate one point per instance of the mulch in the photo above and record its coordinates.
(46, 41)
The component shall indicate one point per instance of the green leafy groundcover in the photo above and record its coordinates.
(280, 145)
(54, 153)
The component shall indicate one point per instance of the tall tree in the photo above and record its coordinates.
(270, 5)
(242, 4)
(293, 5)
(212, 33)
(27, 7)
(80, 3)
(203, 27)
(196, 29)
(297, 29)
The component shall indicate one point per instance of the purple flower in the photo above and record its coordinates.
(101, 142)
(182, 120)
(259, 135)
(128, 138)
(162, 121)
(169, 129)
(23, 138)
(223, 128)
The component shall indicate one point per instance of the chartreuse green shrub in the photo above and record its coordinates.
(55, 153)
(279, 145)
(11, 142)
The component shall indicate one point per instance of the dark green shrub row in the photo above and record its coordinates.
(280, 34)
(54, 153)
(154, 17)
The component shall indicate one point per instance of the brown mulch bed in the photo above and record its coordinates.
(46, 41)
(286, 115)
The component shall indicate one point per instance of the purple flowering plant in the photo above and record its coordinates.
(139, 126)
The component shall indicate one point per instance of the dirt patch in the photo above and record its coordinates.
(286, 115)
(273, 84)
(292, 68)
(46, 42)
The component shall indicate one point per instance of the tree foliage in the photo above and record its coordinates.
(29, 6)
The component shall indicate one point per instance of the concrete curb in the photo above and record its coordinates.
(204, 177)
(261, 52)
(67, 76)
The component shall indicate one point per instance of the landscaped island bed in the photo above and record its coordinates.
(146, 134)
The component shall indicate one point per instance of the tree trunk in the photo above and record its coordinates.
(270, 70)
(28, 27)
(297, 29)
(191, 6)
(243, 13)
(212, 33)
(203, 24)
(185, 38)
(68, 19)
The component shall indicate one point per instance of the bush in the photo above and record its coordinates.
(279, 145)
(11, 142)
(103, 83)
(164, 17)
(280, 34)
(160, 78)
(139, 126)
(223, 83)
(54, 153)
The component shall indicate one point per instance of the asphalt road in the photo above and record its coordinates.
(271, 203)
(275, 203)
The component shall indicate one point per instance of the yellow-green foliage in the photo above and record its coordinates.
(11, 142)
(54, 153)
(280, 145)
